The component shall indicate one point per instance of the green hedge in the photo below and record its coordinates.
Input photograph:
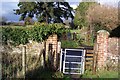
(69, 44)
(21, 35)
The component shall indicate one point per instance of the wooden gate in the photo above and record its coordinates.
(89, 58)
(72, 61)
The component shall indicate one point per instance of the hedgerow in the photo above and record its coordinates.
(21, 35)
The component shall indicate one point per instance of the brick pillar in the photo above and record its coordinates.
(102, 46)
(52, 40)
(119, 57)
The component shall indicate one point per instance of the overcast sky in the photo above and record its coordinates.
(7, 6)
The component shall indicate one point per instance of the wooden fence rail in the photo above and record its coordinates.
(89, 59)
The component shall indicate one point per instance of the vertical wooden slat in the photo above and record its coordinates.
(24, 61)
(84, 61)
(95, 59)
(61, 60)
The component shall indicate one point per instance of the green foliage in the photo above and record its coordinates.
(98, 26)
(81, 37)
(80, 15)
(75, 30)
(69, 44)
(45, 11)
(21, 35)
(28, 21)
(58, 75)
(100, 74)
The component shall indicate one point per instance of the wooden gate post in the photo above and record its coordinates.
(94, 59)
(24, 60)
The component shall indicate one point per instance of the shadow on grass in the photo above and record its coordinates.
(46, 74)
(40, 73)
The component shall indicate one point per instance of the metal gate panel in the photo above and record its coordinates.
(73, 61)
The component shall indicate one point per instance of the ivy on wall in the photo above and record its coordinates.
(21, 35)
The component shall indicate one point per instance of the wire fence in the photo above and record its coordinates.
(18, 64)
(11, 65)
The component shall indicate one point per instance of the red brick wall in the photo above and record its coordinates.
(105, 47)
(52, 40)
(102, 43)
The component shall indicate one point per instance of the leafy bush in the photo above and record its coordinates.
(69, 44)
(21, 35)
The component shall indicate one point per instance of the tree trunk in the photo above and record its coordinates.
(46, 13)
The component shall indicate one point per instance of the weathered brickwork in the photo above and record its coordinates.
(52, 40)
(102, 43)
(106, 49)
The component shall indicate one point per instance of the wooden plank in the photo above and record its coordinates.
(89, 54)
(88, 67)
(89, 51)
(89, 59)
(88, 63)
